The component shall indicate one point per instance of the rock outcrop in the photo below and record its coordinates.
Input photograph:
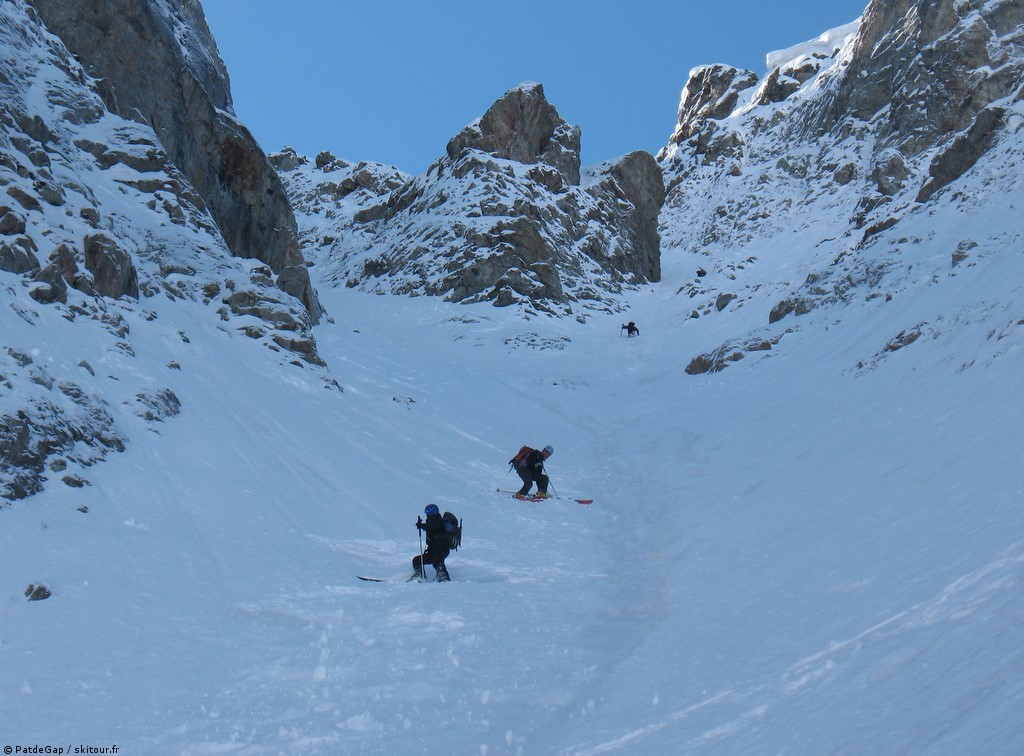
(711, 93)
(931, 66)
(56, 419)
(523, 127)
(505, 216)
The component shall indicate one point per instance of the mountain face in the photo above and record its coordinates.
(505, 216)
(851, 147)
(159, 65)
(98, 226)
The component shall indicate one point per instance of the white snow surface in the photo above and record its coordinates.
(791, 556)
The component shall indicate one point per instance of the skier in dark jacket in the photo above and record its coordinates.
(438, 547)
(531, 470)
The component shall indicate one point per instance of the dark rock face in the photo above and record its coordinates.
(711, 92)
(964, 151)
(96, 220)
(640, 178)
(162, 68)
(112, 269)
(524, 127)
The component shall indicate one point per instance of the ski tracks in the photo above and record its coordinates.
(862, 659)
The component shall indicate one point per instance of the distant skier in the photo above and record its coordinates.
(530, 467)
(631, 329)
(440, 542)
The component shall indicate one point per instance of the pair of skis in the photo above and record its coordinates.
(541, 498)
(413, 577)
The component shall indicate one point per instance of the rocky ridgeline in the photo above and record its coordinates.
(505, 216)
(846, 142)
(96, 218)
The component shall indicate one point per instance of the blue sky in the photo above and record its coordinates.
(393, 80)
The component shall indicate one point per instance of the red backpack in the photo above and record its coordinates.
(519, 458)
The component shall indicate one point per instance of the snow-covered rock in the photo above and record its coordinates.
(96, 224)
(845, 153)
(160, 66)
(505, 216)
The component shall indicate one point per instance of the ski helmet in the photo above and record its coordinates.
(549, 450)
(431, 509)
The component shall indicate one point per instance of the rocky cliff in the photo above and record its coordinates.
(159, 65)
(845, 152)
(505, 216)
(100, 230)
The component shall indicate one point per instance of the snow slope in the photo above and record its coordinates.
(791, 557)
(816, 550)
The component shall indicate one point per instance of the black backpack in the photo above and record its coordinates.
(453, 529)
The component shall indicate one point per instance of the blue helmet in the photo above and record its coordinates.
(431, 509)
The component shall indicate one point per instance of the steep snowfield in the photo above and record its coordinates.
(791, 556)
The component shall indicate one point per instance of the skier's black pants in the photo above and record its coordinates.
(434, 555)
(529, 478)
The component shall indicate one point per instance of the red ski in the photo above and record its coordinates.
(537, 499)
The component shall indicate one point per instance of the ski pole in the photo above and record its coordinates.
(552, 487)
(423, 567)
